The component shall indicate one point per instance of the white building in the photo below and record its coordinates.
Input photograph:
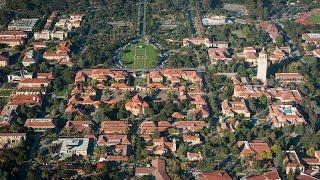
(46, 35)
(74, 146)
(214, 20)
(262, 66)
(22, 25)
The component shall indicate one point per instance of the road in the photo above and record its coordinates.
(142, 12)
(198, 23)
(295, 50)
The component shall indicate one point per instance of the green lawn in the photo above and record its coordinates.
(60, 93)
(315, 19)
(239, 33)
(138, 56)
(5, 92)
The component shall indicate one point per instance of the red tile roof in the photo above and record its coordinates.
(271, 175)
(114, 127)
(216, 175)
(40, 123)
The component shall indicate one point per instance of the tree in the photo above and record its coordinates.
(181, 151)
(310, 151)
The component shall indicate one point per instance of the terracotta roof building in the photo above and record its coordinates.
(79, 126)
(293, 162)
(278, 55)
(136, 105)
(11, 139)
(113, 139)
(271, 175)
(22, 99)
(289, 77)
(215, 175)
(219, 54)
(114, 127)
(271, 29)
(193, 139)
(255, 149)
(34, 82)
(100, 74)
(40, 124)
(282, 115)
(12, 38)
(4, 60)
(158, 170)
(311, 38)
(231, 108)
(190, 125)
(162, 146)
(194, 156)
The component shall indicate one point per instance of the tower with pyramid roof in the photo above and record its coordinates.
(262, 66)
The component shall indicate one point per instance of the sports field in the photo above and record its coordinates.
(139, 56)
(314, 19)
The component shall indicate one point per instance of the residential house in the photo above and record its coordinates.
(74, 146)
(258, 150)
(215, 175)
(136, 105)
(157, 169)
(40, 124)
(293, 162)
(283, 115)
(231, 108)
